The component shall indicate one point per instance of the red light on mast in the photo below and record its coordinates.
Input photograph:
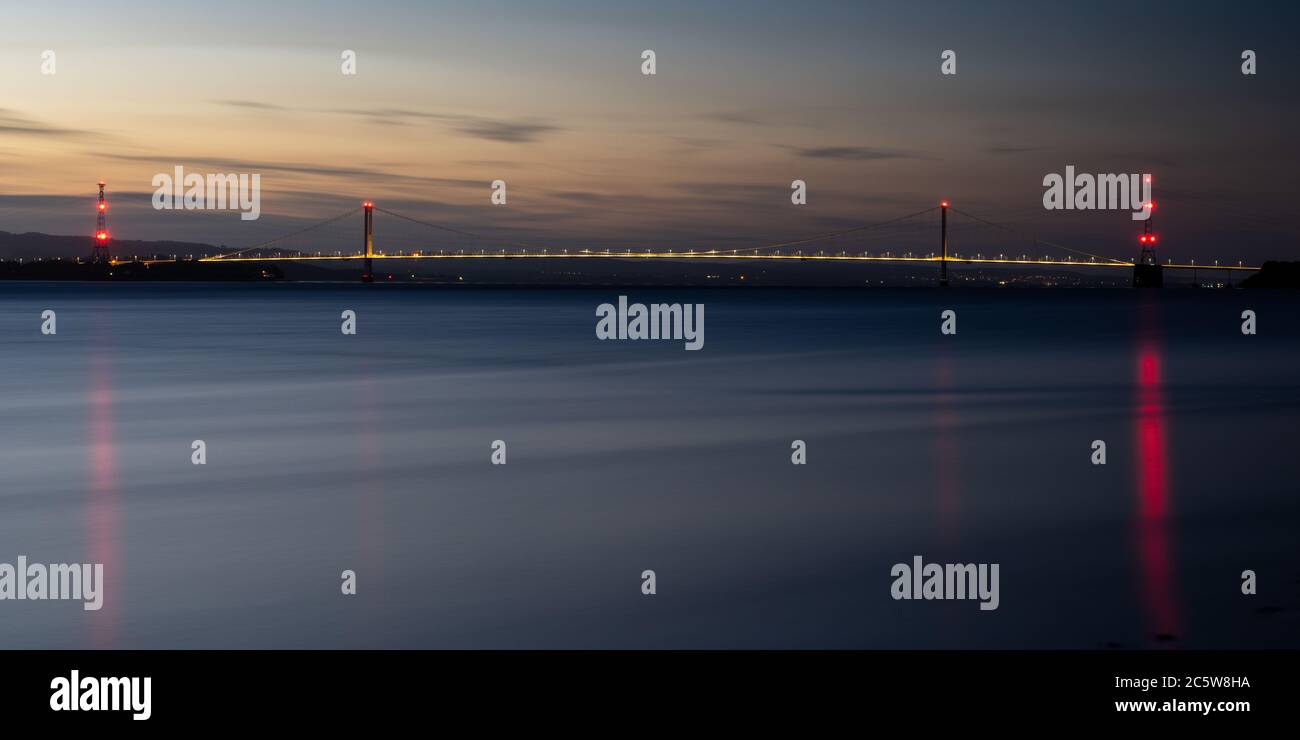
(99, 253)
(943, 204)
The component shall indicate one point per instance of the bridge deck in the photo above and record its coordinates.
(713, 255)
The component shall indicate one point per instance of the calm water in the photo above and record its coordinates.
(371, 452)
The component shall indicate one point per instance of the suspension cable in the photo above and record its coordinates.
(461, 232)
(1036, 239)
(269, 242)
(829, 235)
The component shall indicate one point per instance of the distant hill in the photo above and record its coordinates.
(1275, 275)
(33, 244)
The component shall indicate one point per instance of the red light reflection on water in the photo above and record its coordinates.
(102, 506)
(1155, 559)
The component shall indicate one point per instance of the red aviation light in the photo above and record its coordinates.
(103, 206)
(943, 204)
(102, 236)
(367, 204)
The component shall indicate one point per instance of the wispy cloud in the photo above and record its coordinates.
(167, 161)
(513, 131)
(739, 117)
(517, 130)
(1009, 149)
(508, 131)
(11, 122)
(857, 153)
(252, 104)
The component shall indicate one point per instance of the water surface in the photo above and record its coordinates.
(371, 453)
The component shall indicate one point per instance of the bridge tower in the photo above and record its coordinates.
(100, 253)
(943, 244)
(367, 275)
(1147, 270)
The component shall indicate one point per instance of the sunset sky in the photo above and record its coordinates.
(549, 97)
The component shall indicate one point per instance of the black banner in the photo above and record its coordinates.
(989, 690)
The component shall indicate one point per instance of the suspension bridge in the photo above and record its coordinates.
(1147, 271)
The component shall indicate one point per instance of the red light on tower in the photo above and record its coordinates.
(99, 253)
(1148, 241)
(943, 204)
